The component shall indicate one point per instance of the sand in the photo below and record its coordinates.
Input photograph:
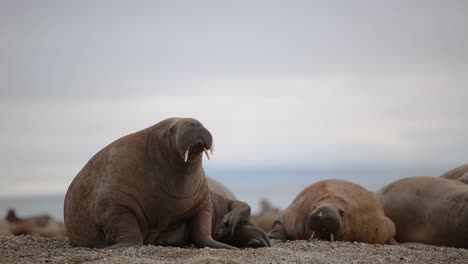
(28, 249)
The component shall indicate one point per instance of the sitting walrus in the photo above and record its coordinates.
(428, 210)
(38, 225)
(148, 187)
(335, 210)
(459, 174)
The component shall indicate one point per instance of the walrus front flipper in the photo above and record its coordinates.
(200, 226)
(239, 212)
(121, 228)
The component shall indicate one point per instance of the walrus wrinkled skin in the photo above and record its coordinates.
(335, 210)
(459, 174)
(227, 209)
(428, 210)
(148, 187)
(37, 225)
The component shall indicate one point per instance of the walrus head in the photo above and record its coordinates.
(325, 221)
(11, 216)
(189, 138)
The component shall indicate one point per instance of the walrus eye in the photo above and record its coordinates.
(341, 211)
(172, 129)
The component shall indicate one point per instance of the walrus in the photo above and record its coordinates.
(228, 209)
(459, 173)
(428, 210)
(267, 215)
(336, 210)
(148, 187)
(36, 225)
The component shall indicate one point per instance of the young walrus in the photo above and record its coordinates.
(334, 210)
(227, 209)
(428, 210)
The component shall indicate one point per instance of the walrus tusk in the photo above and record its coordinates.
(312, 236)
(331, 237)
(186, 155)
(207, 154)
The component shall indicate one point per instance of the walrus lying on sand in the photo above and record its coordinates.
(267, 215)
(335, 210)
(428, 210)
(459, 174)
(38, 225)
(149, 187)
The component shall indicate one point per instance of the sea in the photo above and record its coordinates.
(278, 185)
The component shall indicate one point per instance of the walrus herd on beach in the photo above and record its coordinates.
(149, 187)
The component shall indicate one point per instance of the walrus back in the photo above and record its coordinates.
(80, 225)
(220, 189)
(81, 212)
(427, 210)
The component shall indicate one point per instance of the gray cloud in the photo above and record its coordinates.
(89, 48)
(289, 83)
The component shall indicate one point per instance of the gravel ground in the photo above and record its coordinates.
(28, 249)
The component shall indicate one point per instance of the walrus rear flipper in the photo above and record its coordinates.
(122, 233)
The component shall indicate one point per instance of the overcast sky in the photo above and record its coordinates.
(278, 83)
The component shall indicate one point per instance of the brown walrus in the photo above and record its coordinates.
(428, 210)
(267, 215)
(459, 174)
(148, 187)
(37, 225)
(335, 210)
(227, 209)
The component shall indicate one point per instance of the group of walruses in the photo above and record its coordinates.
(38, 225)
(149, 187)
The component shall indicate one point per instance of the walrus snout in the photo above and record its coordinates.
(324, 222)
(193, 139)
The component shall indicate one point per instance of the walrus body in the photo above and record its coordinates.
(227, 209)
(37, 225)
(148, 187)
(266, 217)
(221, 189)
(335, 210)
(428, 210)
(459, 174)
